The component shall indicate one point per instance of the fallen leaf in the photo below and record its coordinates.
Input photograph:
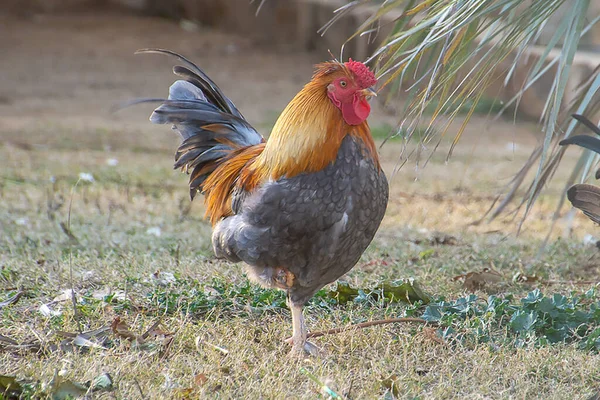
(392, 384)
(478, 280)
(443, 240)
(83, 342)
(84, 339)
(403, 290)
(63, 389)
(431, 334)
(11, 300)
(17, 348)
(121, 329)
(520, 278)
(200, 379)
(408, 290)
(103, 382)
(66, 294)
(10, 387)
(46, 311)
(343, 293)
(185, 394)
(153, 330)
(165, 347)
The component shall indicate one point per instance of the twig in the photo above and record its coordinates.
(551, 282)
(368, 324)
(152, 328)
(67, 230)
(8, 340)
(528, 280)
(214, 346)
(139, 388)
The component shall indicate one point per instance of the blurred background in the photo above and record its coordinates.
(67, 63)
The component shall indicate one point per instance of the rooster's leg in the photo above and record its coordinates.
(299, 333)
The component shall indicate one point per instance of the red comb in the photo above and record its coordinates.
(363, 75)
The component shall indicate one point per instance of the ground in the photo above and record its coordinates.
(132, 246)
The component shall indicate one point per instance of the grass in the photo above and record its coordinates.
(139, 251)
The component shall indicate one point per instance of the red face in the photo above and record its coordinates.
(351, 99)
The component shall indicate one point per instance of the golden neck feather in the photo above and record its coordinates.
(306, 136)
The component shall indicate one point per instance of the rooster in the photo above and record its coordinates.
(300, 208)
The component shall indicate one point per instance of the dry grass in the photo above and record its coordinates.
(110, 219)
(47, 144)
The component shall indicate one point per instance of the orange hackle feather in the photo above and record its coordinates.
(221, 183)
(306, 138)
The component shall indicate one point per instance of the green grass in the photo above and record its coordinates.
(227, 334)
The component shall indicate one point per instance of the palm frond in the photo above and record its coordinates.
(441, 55)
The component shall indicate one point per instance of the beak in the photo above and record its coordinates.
(369, 92)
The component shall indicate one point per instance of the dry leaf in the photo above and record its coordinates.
(66, 294)
(520, 278)
(121, 329)
(200, 379)
(10, 387)
(48, 312)
(83, 342)
(443, 240)
(153, 330)
(478, 280)
(62, 389)
(431, 334)
(84, 339)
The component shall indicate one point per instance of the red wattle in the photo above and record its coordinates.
(356, 112)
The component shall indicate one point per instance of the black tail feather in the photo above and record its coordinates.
(208, 83)
(210, 125)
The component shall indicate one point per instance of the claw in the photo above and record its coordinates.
(301, 350)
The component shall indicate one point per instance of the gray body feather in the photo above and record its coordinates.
(315, 225)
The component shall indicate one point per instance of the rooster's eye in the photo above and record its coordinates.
(343, 84)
